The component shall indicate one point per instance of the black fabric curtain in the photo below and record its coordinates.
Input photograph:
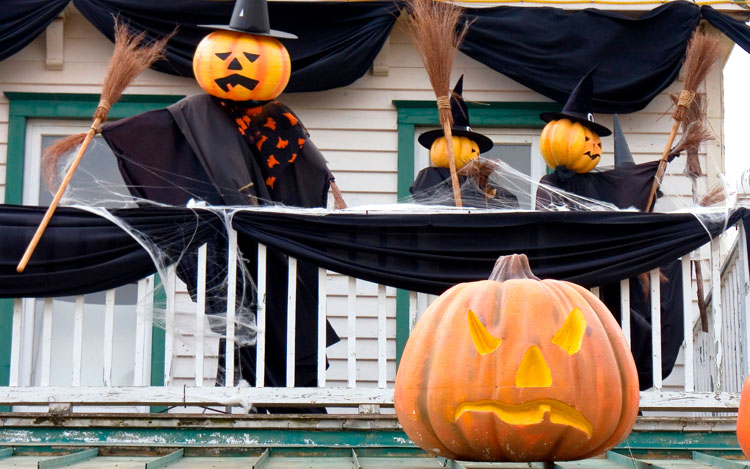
(736, 30)
(337, 41)
(550, 49)
(82, 252)
(431, 252)
(21, 21)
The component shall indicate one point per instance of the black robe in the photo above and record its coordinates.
(192, 150)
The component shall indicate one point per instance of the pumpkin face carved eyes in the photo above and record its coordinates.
(241, 67)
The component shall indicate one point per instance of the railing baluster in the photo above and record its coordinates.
(351, 333)
(46, 342)
(687, 309)
(382, 307)
(412, 310)
(78, 340)
(200, 314)
(140, 335)
(231, 309)
(744, 293)
(260, 347)
(656, 327)
(291, 321)
(625, 308)
(716, 310)
(109, 335)
(170, 286)
(322, 313)
(16, 339)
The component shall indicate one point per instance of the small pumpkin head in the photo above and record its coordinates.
(570, 144)
(517, 369)
(241, 67)
(743, 419)
(464, 150)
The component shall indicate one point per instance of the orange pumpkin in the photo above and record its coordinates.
(517, 369)
(464, 150)
(570, 144)
(241, 67)
(743, 419)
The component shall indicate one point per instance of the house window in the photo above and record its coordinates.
(35, 121)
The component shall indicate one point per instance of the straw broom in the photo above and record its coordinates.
(702, 53)
(129, 59)
(433, 27)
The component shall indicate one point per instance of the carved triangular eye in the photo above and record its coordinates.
(570, 335)
(223, 55)
(251, 57)
(483, 341)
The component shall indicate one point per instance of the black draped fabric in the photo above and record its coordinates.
(550, 49)
(431, 252)
(337, 41)
(736, 30)
(21, 21)
(81, 252)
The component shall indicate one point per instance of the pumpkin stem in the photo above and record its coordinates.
(510, 267)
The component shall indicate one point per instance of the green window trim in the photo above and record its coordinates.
(25, 106)
(424, 113)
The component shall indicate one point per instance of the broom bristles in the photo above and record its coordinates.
(714, 196)
(702, 53)
(433, 28)
(130, 57)
(52, 154)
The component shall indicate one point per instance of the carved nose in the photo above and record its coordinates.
(533, 371)
(235, 65)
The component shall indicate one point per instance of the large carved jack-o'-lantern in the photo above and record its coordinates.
(517, 369)
(241, 67)
(571, 145)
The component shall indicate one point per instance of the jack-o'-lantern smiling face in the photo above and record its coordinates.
(532, 372)
(515, 368)
(241, 67)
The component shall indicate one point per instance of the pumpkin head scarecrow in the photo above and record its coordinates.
(571, 137)
(467, 144)
(516, 369)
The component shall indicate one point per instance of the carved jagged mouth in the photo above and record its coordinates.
(236, 79)
(594, 156)
(530, 413)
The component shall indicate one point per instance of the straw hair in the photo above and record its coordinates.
(433, 26)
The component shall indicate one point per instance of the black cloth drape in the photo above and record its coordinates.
(21, 21)
(431, 252)
(82, 253)
(424, 252)
(736, 30)
(550, 49)
(337, 41)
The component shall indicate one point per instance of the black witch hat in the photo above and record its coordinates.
(623, 157)
(460, 123)
(251, 17)
(578, 106)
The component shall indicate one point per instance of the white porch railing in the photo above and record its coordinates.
(715, 364)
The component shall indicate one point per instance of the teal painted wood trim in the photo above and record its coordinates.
(625, 460)
(690, 441)
(405, 159)
(402, 322)
(6, 452)
(68, 459)
(187, 437)
(23, 106)
(158, 342)
(715, 461)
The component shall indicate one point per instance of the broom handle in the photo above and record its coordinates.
(56, 200)
(662, 167)
(452, 163)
